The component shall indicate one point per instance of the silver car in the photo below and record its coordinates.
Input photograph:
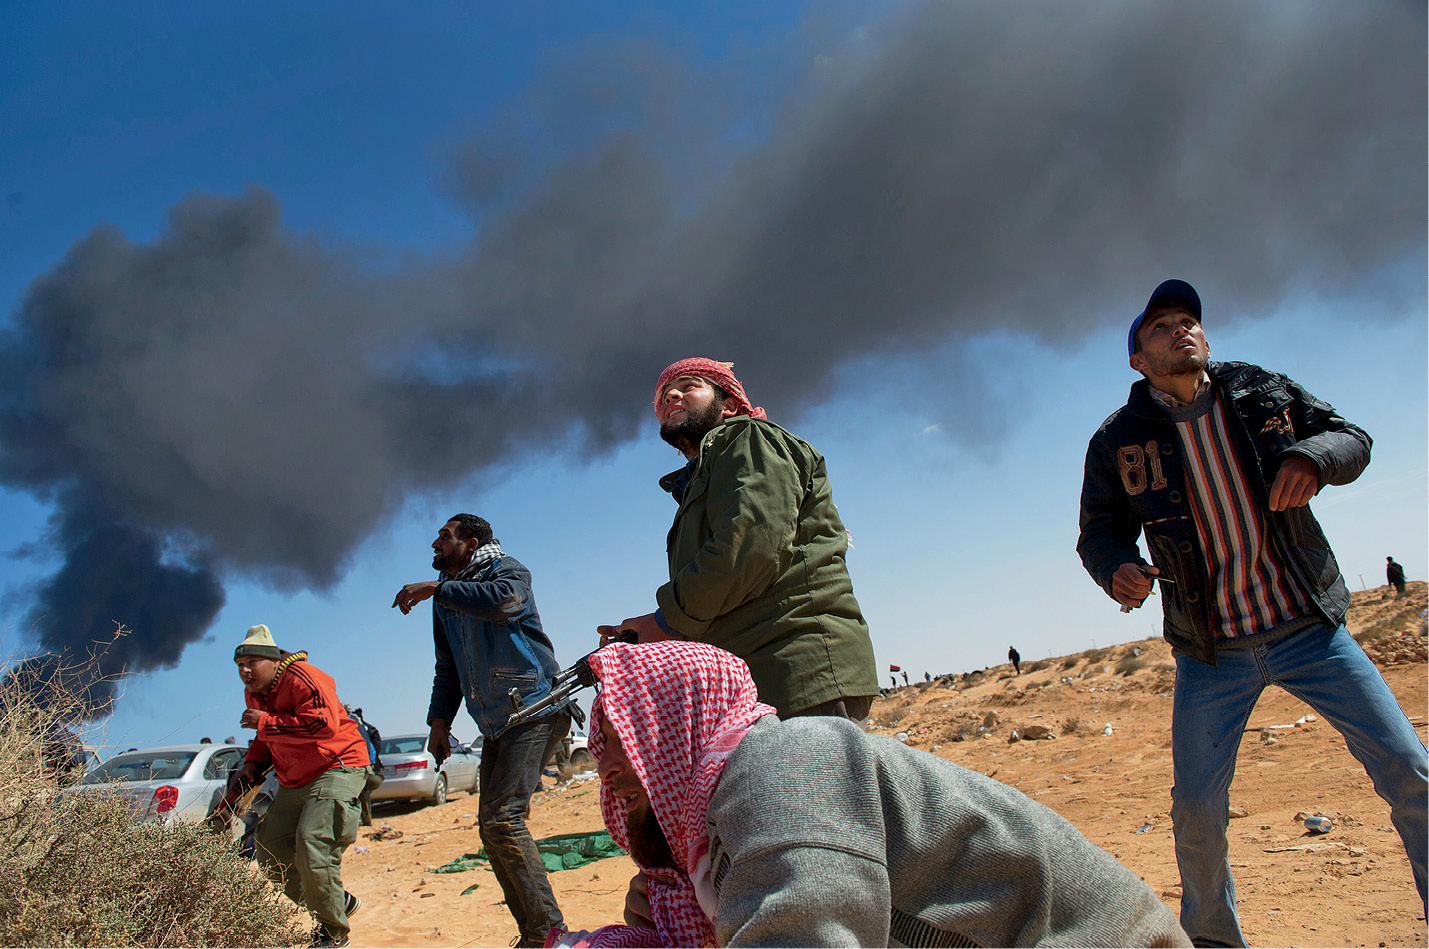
(409, 771)
(177, 782)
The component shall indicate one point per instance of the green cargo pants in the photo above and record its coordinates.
(301, 840)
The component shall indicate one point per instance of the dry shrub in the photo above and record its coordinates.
(963, 729)
(1129, 664)
(76, 870)
(1071, 726)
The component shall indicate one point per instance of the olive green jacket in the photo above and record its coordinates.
(757, 567)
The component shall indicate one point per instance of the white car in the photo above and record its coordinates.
(409, 772)
(574, 750)
(176, 782)
(581, 758)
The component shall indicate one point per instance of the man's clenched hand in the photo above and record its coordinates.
(637, 904)
(644, 627)
(1295, 483)
(439, 741)
(1132, 583)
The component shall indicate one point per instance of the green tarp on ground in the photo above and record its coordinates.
(563, 852)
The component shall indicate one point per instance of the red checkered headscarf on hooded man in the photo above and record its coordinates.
(680, 709)
(720, 373)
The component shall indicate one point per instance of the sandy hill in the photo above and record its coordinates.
(1350, 887)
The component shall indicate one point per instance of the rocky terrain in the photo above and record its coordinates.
(1086, 734)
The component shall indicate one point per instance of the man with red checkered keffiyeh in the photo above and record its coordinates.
(750, 831)
(757, 550)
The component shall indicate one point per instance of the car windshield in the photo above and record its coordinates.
(414, 745)
(141, 766)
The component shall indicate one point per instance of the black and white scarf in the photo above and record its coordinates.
(480, 558)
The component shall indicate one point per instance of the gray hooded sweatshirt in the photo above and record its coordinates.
(822, 835)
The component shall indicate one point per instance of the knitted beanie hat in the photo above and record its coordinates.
(259, 642)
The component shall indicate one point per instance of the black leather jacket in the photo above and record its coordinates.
(1135, 482)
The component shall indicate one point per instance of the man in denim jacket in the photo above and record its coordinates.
(1217, 462)
(488, 641)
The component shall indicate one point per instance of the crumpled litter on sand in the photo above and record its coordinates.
(562, 852)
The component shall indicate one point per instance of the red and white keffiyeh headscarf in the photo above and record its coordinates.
(680, 709)
(720, 373)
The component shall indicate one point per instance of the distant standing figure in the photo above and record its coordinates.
(1216, 462)
(1395, 574)
(373, 737)
(1015, 657)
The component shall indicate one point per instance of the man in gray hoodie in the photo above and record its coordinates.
(751, 831)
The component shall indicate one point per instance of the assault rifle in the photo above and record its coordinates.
(567, 683)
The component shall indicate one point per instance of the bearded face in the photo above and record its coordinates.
(688, 409)
(648, 843)
(451, 552)
(688, 427)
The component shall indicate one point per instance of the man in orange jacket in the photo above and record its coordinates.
(322, 765)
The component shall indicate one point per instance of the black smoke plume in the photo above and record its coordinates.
(235, 398)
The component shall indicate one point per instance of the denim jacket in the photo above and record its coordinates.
(1135, 482)
(488, 640)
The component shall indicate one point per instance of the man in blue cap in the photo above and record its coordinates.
(1216, 462)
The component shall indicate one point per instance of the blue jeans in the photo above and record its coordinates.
(1328, 671)
(510, 773)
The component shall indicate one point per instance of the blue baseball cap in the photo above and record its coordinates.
(1167, 293)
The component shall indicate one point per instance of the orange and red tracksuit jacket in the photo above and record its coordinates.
(302, 727)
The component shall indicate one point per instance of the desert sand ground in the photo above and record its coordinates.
(1349, 887)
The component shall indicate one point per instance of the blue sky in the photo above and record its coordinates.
(416, 154)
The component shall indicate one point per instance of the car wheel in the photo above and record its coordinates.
(476, 781)
(581, 760)
(439, 793)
